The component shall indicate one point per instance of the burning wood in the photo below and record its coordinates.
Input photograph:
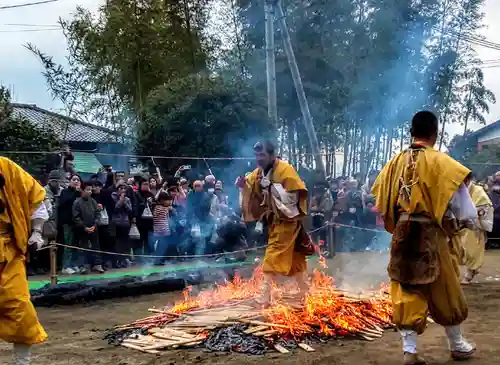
(223, 320)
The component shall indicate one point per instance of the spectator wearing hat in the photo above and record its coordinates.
(53, 191)
(86, 218)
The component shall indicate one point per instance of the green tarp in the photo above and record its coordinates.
(86, 163)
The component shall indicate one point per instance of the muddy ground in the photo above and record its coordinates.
(76, 332)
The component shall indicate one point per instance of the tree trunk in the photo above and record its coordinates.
(467, 112)
(334, 158)
(346, 150)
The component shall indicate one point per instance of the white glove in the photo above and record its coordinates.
(265, 182)
(259, 228)
(37, 239)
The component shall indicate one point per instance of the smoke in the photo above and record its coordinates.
(358, 271)
(361, 262)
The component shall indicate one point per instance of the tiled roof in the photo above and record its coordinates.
(485, 129)
(66, 129)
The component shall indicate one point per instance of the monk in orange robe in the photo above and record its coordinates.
(22, 214)
(424, 201)
(275, 195)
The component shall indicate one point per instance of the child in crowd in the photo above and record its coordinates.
(121, 221)
(86, 217)
(162, 227)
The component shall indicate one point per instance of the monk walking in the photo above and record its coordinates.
(474, 241)
(423, 199)
(275, 195)
(22, 214)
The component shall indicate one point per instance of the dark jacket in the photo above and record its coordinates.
(122, 210)
(85, 213)
(198, 206)
(65, 206)
(145, 224)
(104, 198)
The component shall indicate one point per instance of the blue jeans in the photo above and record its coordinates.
(163, 247)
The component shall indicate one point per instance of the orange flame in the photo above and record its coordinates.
(327, 311)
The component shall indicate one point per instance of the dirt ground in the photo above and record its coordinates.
(76, 332)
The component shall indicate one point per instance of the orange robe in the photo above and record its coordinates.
(18, 319)
(281, 257)
(437, 177)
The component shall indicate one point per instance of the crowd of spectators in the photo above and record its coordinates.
(348, 202)
(112, 220)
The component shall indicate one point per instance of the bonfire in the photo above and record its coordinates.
(225, 318)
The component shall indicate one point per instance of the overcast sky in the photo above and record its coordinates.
(21, 71)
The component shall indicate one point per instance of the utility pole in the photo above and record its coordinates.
(272, 106)
(297, 81)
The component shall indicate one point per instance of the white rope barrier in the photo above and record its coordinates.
(326, 225)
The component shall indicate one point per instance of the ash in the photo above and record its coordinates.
(233, 339)
(115, 338)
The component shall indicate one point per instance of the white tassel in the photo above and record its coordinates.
(409, 338)
(21, 355)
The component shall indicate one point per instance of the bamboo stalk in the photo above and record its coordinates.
(175, 332)
(281, 349)
(188, 344)
(178, 343)
(306, 347)
(265, 333)
(256, 329)
(134, 347)
(169, 337)
(260, 323)
(364, 337)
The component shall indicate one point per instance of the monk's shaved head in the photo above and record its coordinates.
(424, 125)
(265, 154)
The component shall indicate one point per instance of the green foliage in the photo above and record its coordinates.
(202, 115)
(366, 67)
(17, 134)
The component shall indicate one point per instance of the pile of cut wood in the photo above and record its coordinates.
(166, 330)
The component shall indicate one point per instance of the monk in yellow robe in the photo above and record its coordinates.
(423, 201)
(474, 240)
(275, 195)
(22, 214)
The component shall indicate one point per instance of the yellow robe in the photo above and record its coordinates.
(280, 257)
(18, 319)
(439, 177)
(474, 242)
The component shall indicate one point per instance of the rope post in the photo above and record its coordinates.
(331, 240)
(53, 264)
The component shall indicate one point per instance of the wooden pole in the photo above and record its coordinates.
(272, 107)
(53, 264)
(299, 88)
(331, 241)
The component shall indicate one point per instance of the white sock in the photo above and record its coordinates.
(22, 354)
(409, 338)
(456, 340)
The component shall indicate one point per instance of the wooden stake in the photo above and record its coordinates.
(53, 265)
